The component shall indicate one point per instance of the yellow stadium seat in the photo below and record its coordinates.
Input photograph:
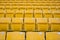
(42, 24)
(29, 7)
(2, 35)
(35, 36)
(10, 13)
(29, 13)
(55, 24)
(4, 24)
(1, 7)
(53, 10)
(22, 10)
(7, 7)
(46, 10)
(52, 4)
(53, 36)
(29, 24)
(5, 20)
(47, 13)
(38, 13)
(20, 13)
(57, 14)
(16, 24)
(4, 27)
(18, 36)
(1, 13)
(1, 10)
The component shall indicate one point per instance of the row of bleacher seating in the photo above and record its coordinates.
(24, 7)
(30, 19)
(29, 0)
(30, 13)
(29, 24)
(30, 4)
(29, 36)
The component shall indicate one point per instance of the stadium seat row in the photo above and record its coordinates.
(18, 7)
(29, 24)
(34, 1)
(30, 1)
(29, 4)
(30, 19)
(29, 36)
(30, 13)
